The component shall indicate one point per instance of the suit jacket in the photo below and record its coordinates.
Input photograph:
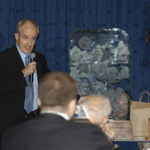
(12, 85)
(52, 132)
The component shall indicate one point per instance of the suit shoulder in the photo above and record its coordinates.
(92, 134)
(39, 54)
(7, 51)
(86, 126)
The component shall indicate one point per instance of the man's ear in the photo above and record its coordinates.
(105, 120)
(72, 107)
(16, 36)
(73, 104)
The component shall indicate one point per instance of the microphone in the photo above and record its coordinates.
(32, 56)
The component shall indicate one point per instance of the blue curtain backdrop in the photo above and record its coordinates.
(58, 19)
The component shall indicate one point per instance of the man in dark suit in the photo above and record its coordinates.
(13, 75)
(53, 129)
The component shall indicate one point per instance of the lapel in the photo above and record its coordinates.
(17, 58)
(38, 67)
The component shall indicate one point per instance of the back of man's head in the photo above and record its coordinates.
(98, 107)
(57, 89)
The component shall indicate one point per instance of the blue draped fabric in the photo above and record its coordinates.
(58, 19)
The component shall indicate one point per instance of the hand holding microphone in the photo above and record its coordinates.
(30, 68)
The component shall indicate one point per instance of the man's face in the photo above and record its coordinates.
(121, 107)
(26, 38)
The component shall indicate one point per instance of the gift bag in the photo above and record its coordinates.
(139, 114)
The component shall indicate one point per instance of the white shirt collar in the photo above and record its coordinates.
(66, 117)
(23, 55)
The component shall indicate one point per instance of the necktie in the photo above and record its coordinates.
(29, 94)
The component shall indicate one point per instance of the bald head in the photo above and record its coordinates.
(98, 107)
(26, 21)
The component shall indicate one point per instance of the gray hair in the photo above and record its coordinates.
(22, 22)
(98, 107)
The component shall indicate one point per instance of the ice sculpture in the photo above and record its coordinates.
(99, 61)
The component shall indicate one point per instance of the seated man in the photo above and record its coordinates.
(97, 109)
(53, 129)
